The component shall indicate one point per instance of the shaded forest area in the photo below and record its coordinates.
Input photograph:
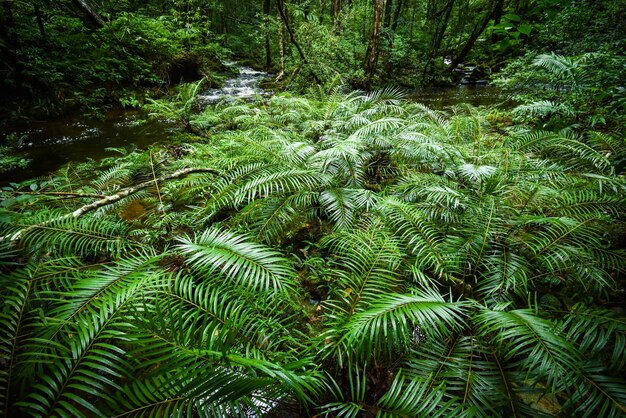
(79, 53)
(332, 249)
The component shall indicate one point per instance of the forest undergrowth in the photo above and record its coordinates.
(344, 255)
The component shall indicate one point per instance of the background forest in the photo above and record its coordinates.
(331, 249)
(68, 53)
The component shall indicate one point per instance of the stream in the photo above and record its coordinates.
(48, 145)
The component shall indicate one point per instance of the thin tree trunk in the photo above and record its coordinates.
(9, 33)
(478, 30)
(373, 47)
(292, 38)
(388, 12)
(394, 25)
(322, 11)
(268, 49)
(281, 52)
(8, 23)
(42, 29)
(334, 6)
(396, 16)
(92, 16)
(438, 35)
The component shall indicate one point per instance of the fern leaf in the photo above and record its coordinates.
(242, 261)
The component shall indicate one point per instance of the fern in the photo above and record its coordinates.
(246, 263)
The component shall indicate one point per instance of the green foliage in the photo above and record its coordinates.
(568, 91)
(72, 64)
(353, 255)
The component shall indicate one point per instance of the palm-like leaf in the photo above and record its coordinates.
(245, 263)
(532, 344)
(389, 323)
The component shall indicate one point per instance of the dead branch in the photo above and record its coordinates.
(107, 200)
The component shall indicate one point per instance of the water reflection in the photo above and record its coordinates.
(477, 95)
(50, 144)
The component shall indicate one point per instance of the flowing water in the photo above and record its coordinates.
(244, 86)
(48, 145)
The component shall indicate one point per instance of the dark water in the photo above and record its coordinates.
(477, 95)
(48, 145)
(51, 144)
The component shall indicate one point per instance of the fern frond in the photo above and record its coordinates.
(532, 344)
(14, 318)
(63, 235)
(405, 399)
(388, 324)
(370, 261)
(598, 394)
(597, 331)
(248, 264)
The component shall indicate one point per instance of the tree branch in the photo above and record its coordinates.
(107, 200)
(62, 194)
(283, 15)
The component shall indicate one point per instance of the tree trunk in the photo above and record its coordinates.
(281, 51)
(92, 16)
(8, 24)
(373, 47)
(478, 30)
(440, 30)
(9, 33)
(388, 12)
(396, 17)
(394, 24)
(268, 49)
(292, 38)
(42, 29)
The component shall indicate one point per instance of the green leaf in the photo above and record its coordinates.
(511, 17)
(525, 29)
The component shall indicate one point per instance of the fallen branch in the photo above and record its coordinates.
(107, 200)
(63, 194)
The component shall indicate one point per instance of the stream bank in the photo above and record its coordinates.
(48, 145)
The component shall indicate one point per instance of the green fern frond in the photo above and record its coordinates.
(61, 235)
(597, 331)
(462, 372)
(17, 291)
(405, 399)
(532, 344)
(423, 238)
(342, 204)
(598, 394)
(370, 260)
(388, 324)
(248, 264)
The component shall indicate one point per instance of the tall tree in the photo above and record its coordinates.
(280, 4)
(494, 11)
(9, 41)
(439, 19)
(268, 49)
(92, 16)
(373, 47)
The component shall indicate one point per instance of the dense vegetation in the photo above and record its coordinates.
(352, 254)
(85, 53)
(325, 251)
